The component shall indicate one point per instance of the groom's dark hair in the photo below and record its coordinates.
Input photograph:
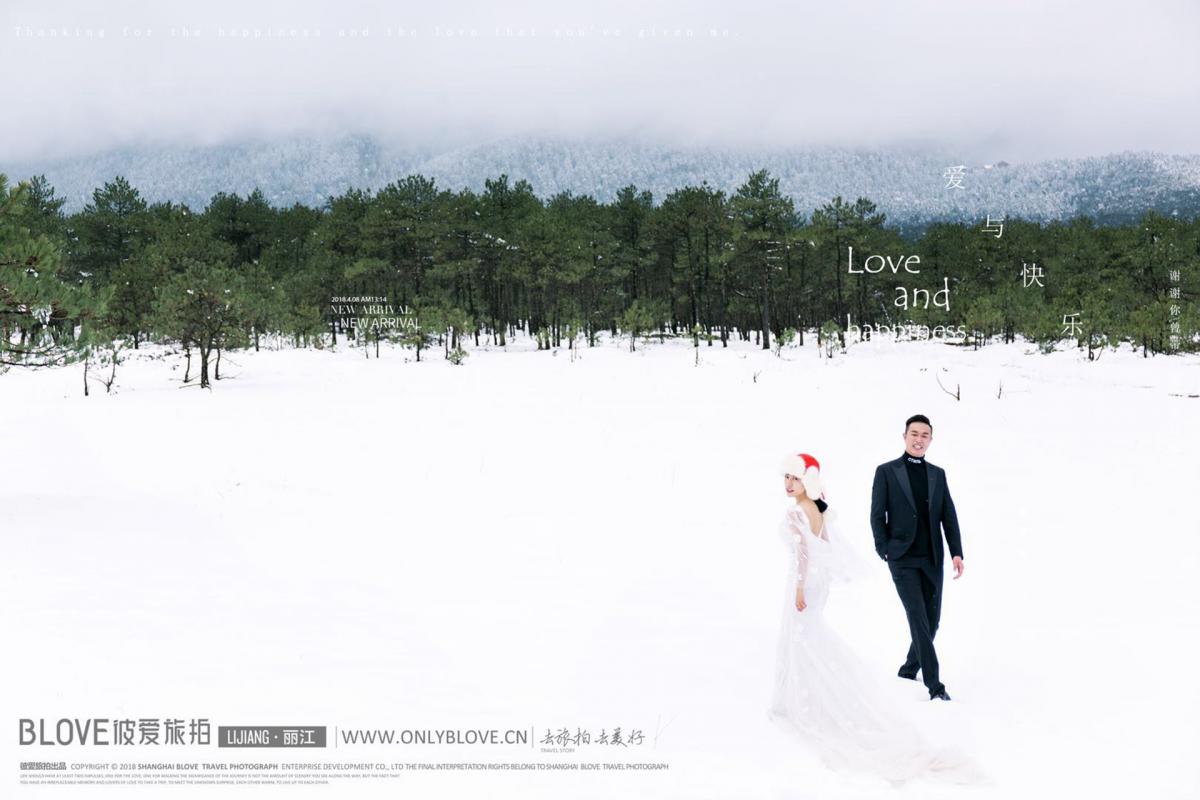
(918, 418)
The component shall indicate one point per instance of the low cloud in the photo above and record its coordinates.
(1018, 80)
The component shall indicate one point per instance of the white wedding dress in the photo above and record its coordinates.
(824, 694)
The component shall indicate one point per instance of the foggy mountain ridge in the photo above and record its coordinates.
(909, 184)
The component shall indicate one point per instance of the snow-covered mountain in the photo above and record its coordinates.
(910, 185)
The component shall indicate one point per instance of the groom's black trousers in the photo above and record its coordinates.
(919, 584)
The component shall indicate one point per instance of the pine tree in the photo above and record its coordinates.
(39, 311)
(203, 309)
(131, 299)
(761, 215)
(111, 230)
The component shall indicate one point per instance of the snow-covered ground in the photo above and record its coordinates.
(528, 542)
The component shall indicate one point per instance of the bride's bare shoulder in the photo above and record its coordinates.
(815, 522)
(808, 516)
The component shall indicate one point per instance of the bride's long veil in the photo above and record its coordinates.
(845, 564)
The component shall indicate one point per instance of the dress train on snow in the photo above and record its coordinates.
(823, 692)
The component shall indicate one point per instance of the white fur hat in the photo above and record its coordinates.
(807, 469)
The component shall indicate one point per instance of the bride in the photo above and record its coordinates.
(823, 694)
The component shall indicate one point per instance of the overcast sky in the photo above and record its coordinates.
(1013, 79)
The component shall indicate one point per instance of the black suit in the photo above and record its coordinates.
(918, 579)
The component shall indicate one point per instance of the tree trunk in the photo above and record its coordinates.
(766, 314)
(204, 351)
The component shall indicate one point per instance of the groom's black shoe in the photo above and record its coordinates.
(940, 694)
(912, 676)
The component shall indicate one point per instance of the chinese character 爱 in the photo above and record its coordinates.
(954, 176)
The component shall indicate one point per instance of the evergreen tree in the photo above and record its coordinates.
(44, 209)
(39, 310)
(203, 309)
(761, 216)
(245, 225)
(131, 296)
(111, 230)
(632, 214)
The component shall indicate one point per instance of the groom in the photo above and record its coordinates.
(910, 505)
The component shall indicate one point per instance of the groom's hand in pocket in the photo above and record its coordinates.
(800, 604)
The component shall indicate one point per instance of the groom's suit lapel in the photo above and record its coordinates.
(933, 488)
(935, 527)
(902, 476)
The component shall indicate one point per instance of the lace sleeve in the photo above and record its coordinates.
(797, 526)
